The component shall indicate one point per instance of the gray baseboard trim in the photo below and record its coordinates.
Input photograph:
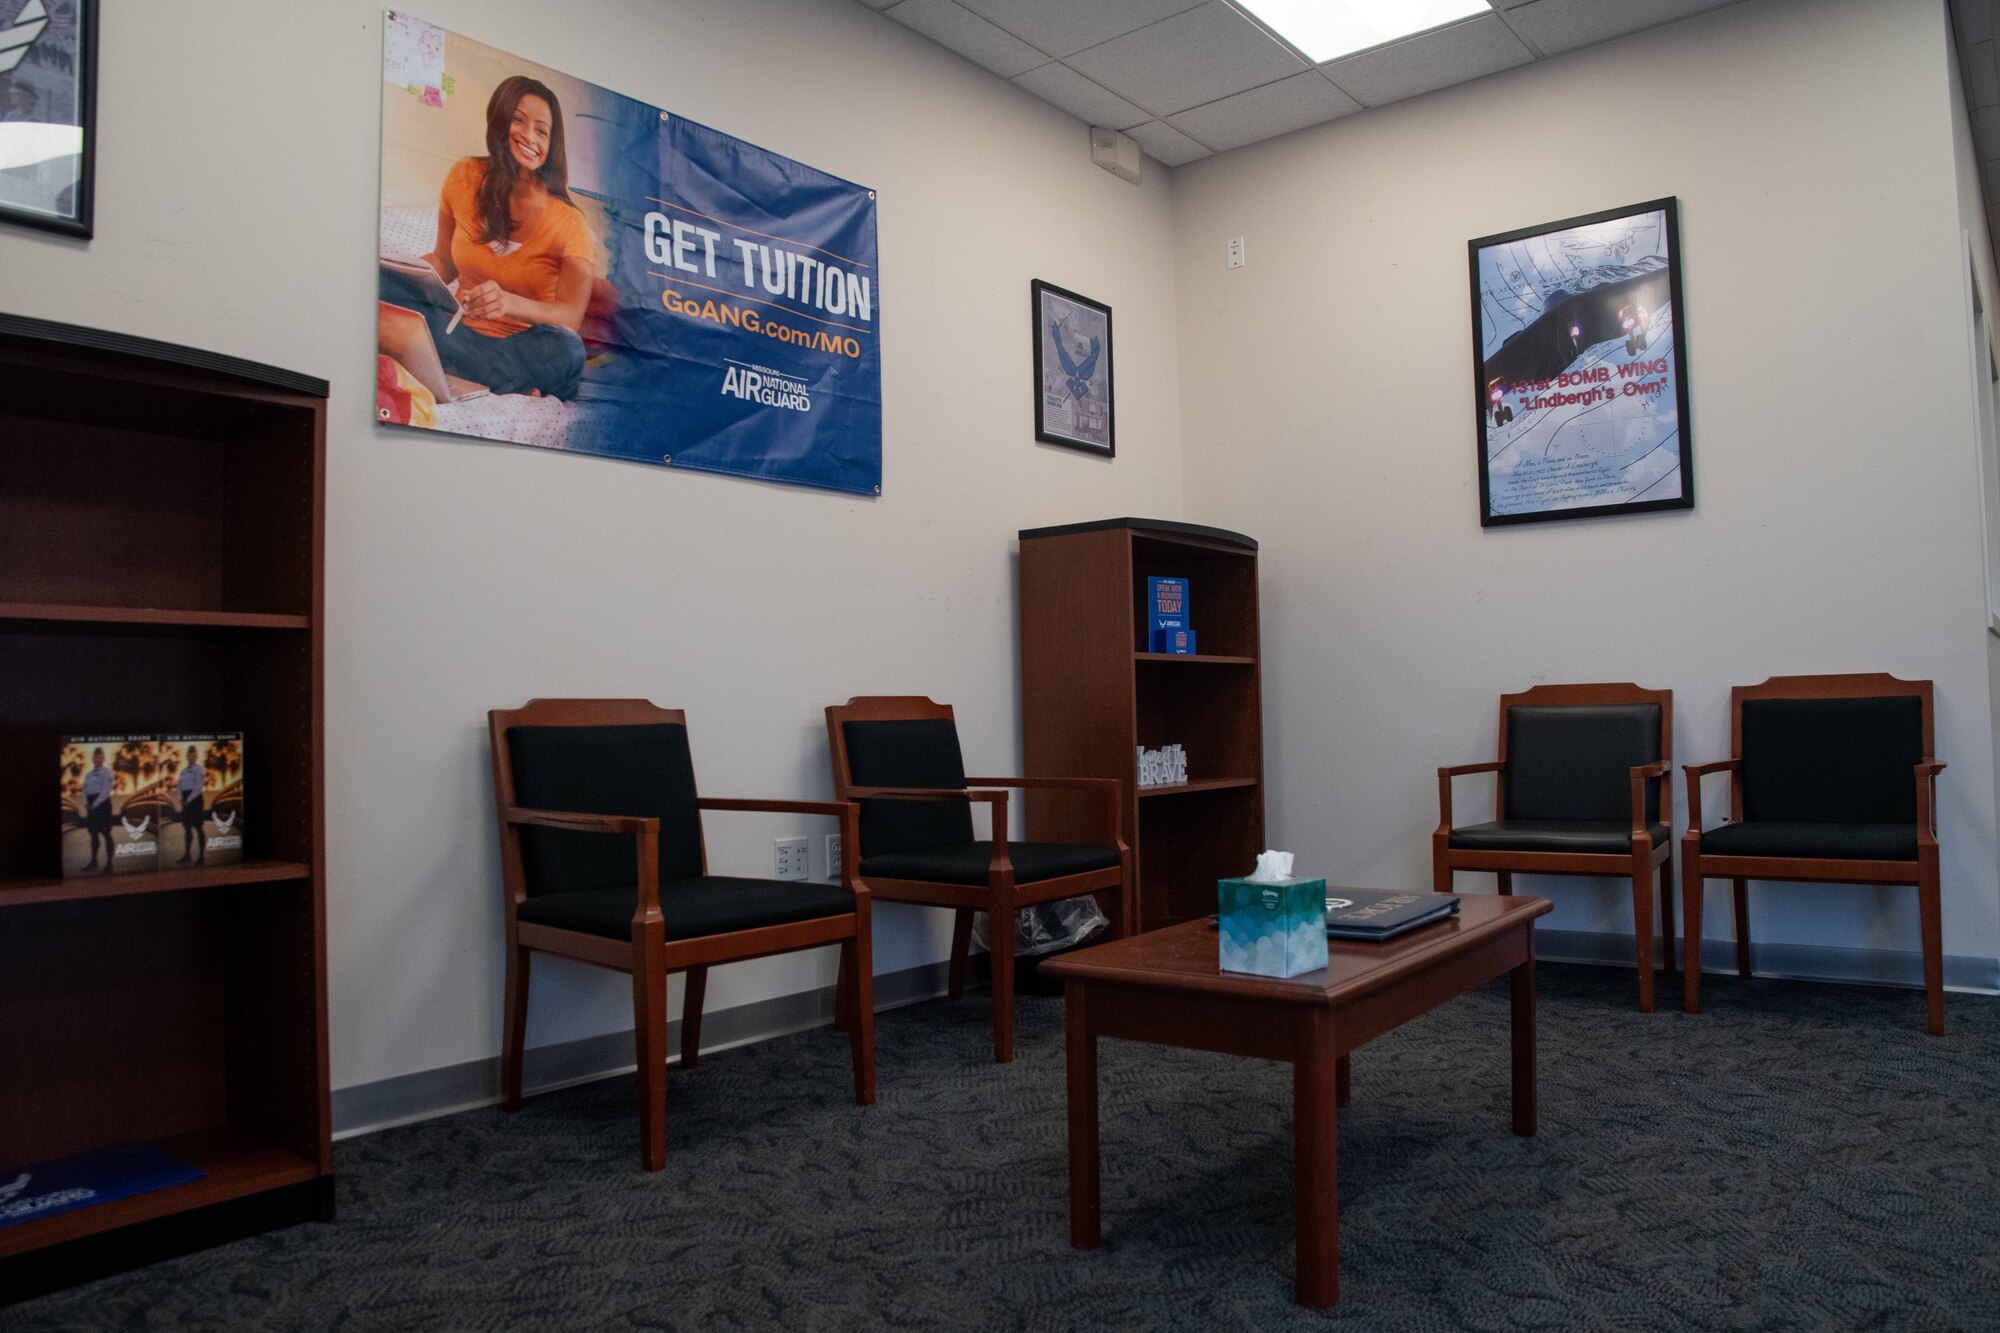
(434, 1092)
(1801, 962)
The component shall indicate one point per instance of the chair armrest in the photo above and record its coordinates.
(1113, 789)
(578, 822)
(1694, 774)
(1640, 773)
(926, 794)
(1445, 775)
(996, 799)
(1927, 771)
(834, 808)
(644, 830)
(847, 812)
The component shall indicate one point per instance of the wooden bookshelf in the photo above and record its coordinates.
(161, 569)
(1091, 695)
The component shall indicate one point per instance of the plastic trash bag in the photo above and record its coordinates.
(1047, 927)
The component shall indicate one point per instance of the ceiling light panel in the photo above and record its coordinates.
(1324, 30)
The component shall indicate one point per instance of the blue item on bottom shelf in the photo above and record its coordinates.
(97, 1176)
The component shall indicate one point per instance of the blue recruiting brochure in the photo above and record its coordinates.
(1167, 608)
(97, 1176)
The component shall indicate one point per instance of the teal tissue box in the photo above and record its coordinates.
(1276, 928)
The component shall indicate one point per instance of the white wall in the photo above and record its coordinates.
(1325, 402)
(236, 211)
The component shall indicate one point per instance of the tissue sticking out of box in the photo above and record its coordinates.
(1272, 866)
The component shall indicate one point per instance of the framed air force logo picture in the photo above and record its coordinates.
(1072, 370)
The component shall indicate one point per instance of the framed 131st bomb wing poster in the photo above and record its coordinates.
(48, 91)
(1580, 367)
(1072, 370)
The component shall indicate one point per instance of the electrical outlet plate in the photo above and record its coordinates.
(792, 860)
(1236, 258)
(833, 856)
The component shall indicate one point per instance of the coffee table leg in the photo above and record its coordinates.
(1315, 1158)
(1343, 1083)
(1523, 987)
(1085, 1228)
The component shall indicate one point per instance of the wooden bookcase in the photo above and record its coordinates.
(1091, 694)
(161, 521)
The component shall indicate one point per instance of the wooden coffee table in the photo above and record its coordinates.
(1166, 987)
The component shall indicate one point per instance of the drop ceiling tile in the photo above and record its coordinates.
(1986, 128)
(953, 26)
(1975, 20)
(1193, 58)
(880, 4)
(1061, 86)
(1429, 61)
(1164, 143)
(1565, 25)
(1063, 27)
(1262, 113)
(1982, 74)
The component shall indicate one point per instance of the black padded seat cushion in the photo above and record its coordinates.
(1832, 841)
(919, 753)
(616, 770)
(1837, 761)
(968, 862)
(703, 905)
(1603, 837)
(1574, 762)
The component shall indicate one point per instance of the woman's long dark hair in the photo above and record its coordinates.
(503, 173)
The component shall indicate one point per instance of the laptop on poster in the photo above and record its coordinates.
(404, 334)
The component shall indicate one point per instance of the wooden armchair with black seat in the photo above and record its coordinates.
(1581, 789)
(603, 859)
(1833, 780)
(919, 847)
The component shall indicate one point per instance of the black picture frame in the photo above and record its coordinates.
(57, 63)
(1067, 391)
(1582, 407)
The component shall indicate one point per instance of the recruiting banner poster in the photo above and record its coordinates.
(563, 266)
(1581, 374)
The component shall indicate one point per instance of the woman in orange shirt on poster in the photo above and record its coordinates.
(518, 250)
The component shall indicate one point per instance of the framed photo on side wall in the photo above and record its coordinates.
(48, 96)
(1580, 367)
(1073, 402)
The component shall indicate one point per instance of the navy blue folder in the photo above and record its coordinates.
(1380, 914)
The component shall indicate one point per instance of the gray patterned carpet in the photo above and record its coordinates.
(1797, 1157)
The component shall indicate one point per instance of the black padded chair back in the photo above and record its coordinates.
(1832, 761)
(919, 753)
(611, 770)
(1574, 761)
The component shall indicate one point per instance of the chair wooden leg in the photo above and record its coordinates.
(858, 962)
(1931, 917)
(1691, 885)
(843, 984)
(1440, 870)
(1668, 939)
(1000, 950)
(691, 999)
(649, 1024)
(1642, 932)
(1742, 896)
(1505, 879)
(961, 949)
(514, 1039)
